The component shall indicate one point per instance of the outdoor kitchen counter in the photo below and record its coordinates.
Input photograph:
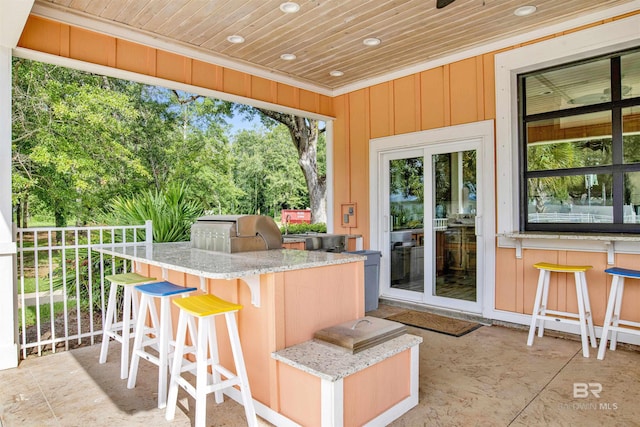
(287, 295)
(180, 256)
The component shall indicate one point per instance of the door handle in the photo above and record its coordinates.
(478, 224)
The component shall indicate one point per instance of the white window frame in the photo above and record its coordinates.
(602, 39)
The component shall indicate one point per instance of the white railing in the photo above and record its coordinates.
(57, 299)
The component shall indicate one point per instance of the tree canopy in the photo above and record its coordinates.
(81, 141)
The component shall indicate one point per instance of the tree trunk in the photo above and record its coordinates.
(304, 134)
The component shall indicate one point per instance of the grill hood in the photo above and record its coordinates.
(235, 233)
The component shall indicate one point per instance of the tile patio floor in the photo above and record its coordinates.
(488, 377)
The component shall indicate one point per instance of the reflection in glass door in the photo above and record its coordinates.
(406, 206)
(454, 212)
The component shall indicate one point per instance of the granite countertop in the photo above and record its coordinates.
(331, 362)
(613, 237)
(180, 256)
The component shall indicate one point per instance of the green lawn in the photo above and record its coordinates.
(45, 312)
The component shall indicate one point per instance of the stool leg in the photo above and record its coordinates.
(545, 301)
(163, 349)
(587, 309)
(536, 308)
(215, 359)
(172, 397)
(126, 332)
(137, 341)
(581, 315)
(613, 293)
(108, 322)
(616, 314)
(241, 370)
(202, 373)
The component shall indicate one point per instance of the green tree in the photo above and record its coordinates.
(69, 130)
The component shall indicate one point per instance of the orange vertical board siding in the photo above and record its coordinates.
(326, 105)
(489, 82)
(263, 89)
(380, 110)
(309, 101)
(43, 35)
(341, 170)
(363, 394)
(288, 96)
(317, 298)
(91, 47)
(236, 83)
(300, 396)
(173, 67)
(506, 283)
(134, 57)
(631, 297)
(359, 156)
(463, 89)
(205, 75)
(432, 99)
(405, 105)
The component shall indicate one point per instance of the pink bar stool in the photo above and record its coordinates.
(612, 321)
(541, 313)
(121, 331)
(161, 329)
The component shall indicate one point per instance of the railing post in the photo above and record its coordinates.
(148, 233)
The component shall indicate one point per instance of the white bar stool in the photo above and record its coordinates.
(205, 308)
(612, 319)
(541, 313)
(121, 331)
(162, 331)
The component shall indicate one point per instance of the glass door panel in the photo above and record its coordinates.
(454, 209)
(406, 208)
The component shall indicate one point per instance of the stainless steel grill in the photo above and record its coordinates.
(235, 233)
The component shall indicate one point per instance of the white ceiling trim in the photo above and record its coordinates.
(53, 12)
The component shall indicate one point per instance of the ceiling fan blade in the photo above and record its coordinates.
(443, 3)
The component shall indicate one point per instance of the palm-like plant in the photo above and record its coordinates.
(170, 210)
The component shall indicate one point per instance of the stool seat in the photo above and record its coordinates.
(541, 313)
(163, 289)
(161, 329)
(623, 272)
(206, 305)
(612, 321)
(205, 308)
(560, 268)
(121, 331)
(129, 279)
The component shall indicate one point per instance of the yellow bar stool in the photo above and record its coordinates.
(161, 328)
(612, 321)
(205, 308)
(541, 313)
(121, 330)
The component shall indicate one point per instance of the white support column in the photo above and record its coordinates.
(8, 285)
(13, 16)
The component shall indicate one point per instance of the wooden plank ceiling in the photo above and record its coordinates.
(328, 35)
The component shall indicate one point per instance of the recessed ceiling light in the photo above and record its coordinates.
(235, 39)
(525, 10)
(336, 73)
(371, 41)
(289, 7)
(288, 56)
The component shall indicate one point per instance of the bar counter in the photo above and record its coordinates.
(287, 295)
